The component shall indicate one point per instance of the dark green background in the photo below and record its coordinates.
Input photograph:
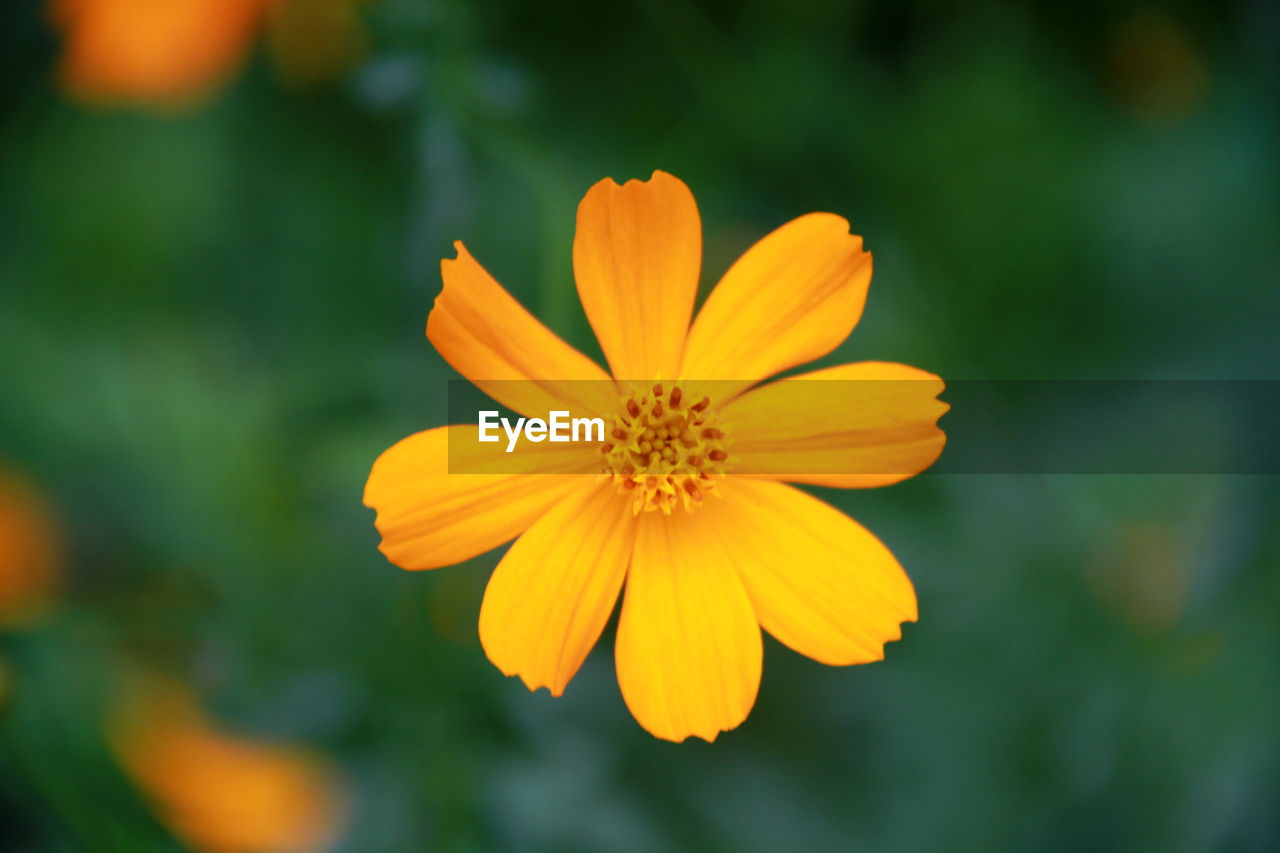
(212, 323)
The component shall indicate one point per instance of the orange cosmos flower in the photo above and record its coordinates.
(217, 792)
(691, 514)
(29, 562)
(168, 52)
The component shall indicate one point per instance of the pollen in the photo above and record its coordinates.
(667, 449)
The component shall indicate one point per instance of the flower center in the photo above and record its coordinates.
(664, 450)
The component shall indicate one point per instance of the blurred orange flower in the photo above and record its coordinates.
(217, 792)
(29, 561)
(177, 52)
(159, 51)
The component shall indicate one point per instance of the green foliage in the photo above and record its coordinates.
(212, 322)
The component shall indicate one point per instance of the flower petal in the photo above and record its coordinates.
(491, 340)
(636, 257)
(793, 297)
(688, 649)
(430, 518)
(551, 595)
(852, 426)
(819, 581)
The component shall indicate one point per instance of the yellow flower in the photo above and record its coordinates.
(710, 543)
(217, 792)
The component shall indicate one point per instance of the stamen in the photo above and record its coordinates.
(663, 454)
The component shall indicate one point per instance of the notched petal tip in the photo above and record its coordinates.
(447, 265)
(384, 550)
(637, 256)
(657, 175)
(532, 682)
(707, 735)
(534, 685)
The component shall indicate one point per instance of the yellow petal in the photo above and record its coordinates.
(852, 426)
(430, 518)
(793, 297)
(636, 256)
(551, 595)
(688, 649)
(819, 581)
(491, 340)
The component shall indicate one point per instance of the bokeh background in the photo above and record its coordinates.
(211, 322)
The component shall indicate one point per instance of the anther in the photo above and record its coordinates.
(663, 452)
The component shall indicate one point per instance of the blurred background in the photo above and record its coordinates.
(220, 232)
